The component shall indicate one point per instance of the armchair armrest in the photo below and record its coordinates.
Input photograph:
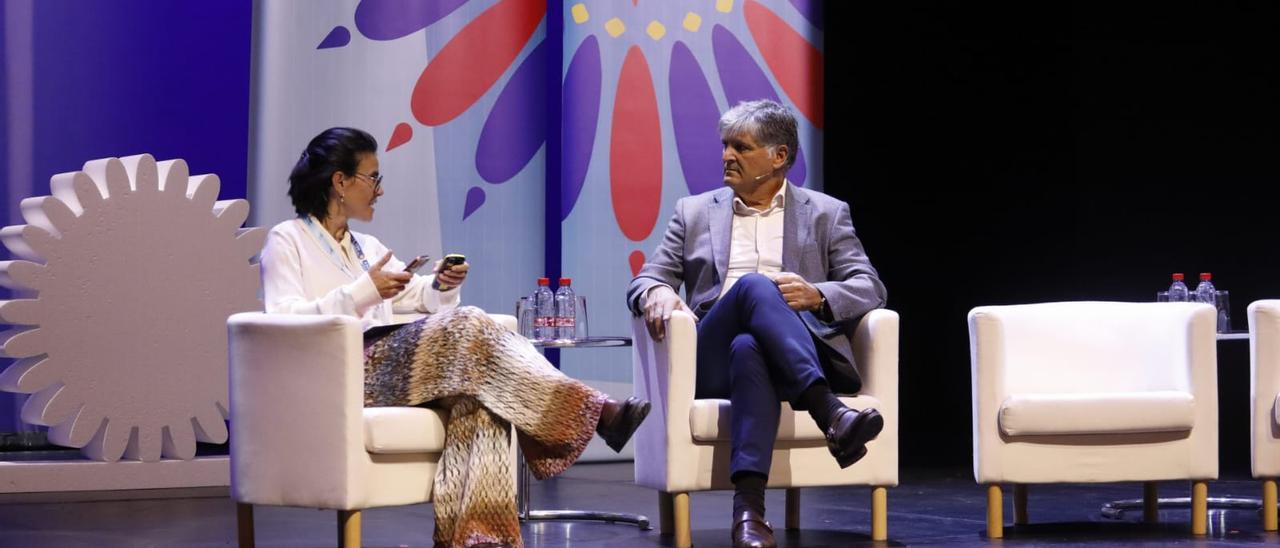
(297, 401)
(875, 350)
(664, 373)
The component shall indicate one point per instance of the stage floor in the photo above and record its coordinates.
(929, 508)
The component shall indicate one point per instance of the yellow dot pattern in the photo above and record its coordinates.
(724, 6)
(580, 14)
(655, 30)
(692, 22)
(614, 27)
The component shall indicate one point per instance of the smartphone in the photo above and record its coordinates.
(417, 263)
(449, 261)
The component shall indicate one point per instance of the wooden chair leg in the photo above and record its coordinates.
(1269, 512)
(793, 508)
(1020, 504)
(879, 513)
(1199, 508)
(684, 532)
(348, 529)
(666, 505)
(995, 512)
(244, 524)
(1150, 502)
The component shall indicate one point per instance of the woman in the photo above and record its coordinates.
(456, 357)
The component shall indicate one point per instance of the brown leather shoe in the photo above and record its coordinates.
(849, 433)
(750, 530)
(619, 420)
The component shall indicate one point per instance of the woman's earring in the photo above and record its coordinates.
(342, 198)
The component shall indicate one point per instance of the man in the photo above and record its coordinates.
(775, 276)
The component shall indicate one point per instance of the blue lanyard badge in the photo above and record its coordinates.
(333, 254)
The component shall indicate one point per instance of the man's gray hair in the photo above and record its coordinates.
(770, 123)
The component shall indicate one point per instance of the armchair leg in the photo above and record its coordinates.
(1150, 503)
(244, 524)
(793, 508)
(666, 507)
(348, 529)
(995, 512)
(1020, 504)
(879, 513)
(1199, 508)
(1269, 515)
(684, 532)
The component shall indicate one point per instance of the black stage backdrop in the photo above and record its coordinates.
(1047, 153)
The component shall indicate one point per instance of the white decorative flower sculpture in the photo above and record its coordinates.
(127, 276)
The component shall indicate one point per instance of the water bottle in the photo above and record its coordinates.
(1205, 292)
(566, 310)
(1178, 290)
(545, 315)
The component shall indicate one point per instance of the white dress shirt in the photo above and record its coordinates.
(300, 275)
(756, 244)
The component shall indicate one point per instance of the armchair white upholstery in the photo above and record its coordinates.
(1264, 400)
(683, 446)
(1094, 392)
(300, 434)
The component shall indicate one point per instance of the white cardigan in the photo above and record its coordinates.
(299, 276)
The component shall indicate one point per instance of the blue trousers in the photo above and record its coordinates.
(755, 351)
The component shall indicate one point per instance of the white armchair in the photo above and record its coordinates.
(684, 444)
(1094, 392)
(300, 434)
(1264, 397)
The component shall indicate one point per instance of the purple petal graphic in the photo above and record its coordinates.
(744, 81)
(694, 119)
(337, 38)
(811, 10)
(580, 108)
(516, 126)
(391, 19)
(475, 199)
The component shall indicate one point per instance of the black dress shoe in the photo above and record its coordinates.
(619, 420)
(849, 433)
(750, 530)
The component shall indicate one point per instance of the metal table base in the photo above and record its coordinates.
(523, 497)
(1116, 509)
(523, 503)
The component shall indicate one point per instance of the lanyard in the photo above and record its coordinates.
(333, 255)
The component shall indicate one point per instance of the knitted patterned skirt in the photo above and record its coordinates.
(489, 379)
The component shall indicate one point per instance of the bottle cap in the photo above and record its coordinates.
(1177, 277)
(566, 281)
(544, 281)
(1206, 276)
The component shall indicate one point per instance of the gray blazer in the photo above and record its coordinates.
(818, 243)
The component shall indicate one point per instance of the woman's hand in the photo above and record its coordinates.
(454, 276)
(389, 283)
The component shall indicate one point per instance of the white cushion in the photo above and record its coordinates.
(709, 420)
(390, 430)
(1097, 413)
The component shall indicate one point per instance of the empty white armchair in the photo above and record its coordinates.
(1087, 392)
(300, 434)
(683, 446)
(1264, 397)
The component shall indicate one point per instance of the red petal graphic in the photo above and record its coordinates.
(399, 136)
(635, 149)
(473, 60)
(637, 261)
(795, 63)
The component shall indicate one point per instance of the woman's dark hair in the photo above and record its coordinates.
(335, 149)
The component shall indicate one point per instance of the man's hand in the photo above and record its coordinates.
(800, 294)
(658, 304)
(453, 276)
(389, 283)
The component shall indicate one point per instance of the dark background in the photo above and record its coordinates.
(1004, 155)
